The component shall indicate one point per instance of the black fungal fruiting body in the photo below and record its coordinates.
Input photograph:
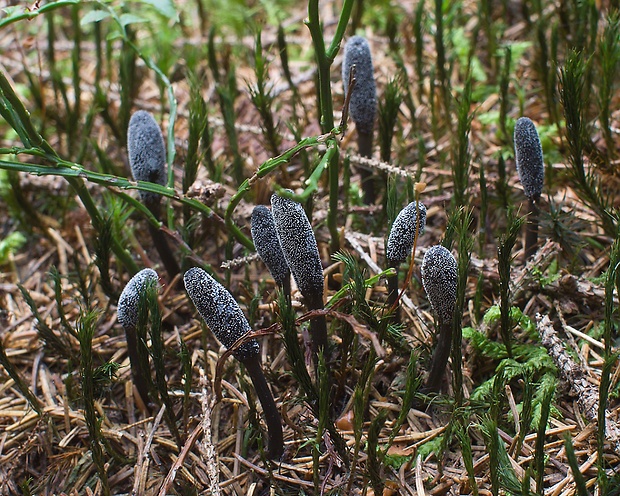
(127, 314)
(403, 231)
(531, 170)
(302, 256)
(268, 247)
(220, 311)
(529, 157)
(400, 243)
(362, 103)
(228, 323)
(439, 278)
(147, 159)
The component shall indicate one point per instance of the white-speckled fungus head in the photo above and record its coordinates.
(220, 311)
(147, 152)
(363, 102)
(267, 245)
(127, 310)
(299, 246)
(439, 277)
(402, 234)
(529, 158)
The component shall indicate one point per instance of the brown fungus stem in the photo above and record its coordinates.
(531, 229)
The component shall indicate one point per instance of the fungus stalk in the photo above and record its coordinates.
(531, 170)
(226, 320)
(439, 277)
(147, 158)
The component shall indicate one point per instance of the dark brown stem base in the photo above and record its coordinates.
(318, 328)
(136, 374)
(272, 415)
(393, 295)
(531, 229)
(318, 331)
(440, 359)
(364, 147)
(285, 287)
(165, 253)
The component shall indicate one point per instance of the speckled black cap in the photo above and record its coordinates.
(402, 234)
(299, 247)
(127, 310)
(267, 244)
(363, 103)
(147, 152)
(439, 277)
(529, 158)
(220, 311)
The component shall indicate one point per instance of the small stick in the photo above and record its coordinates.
(577, 379)
(172, 473)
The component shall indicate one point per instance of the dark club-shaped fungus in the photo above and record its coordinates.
(147, 159)
(268, 247)
(226, 320)
(127, 314)
(439, 277)
(362, 102)
(531, 170)
(302, 256)
(400, 243)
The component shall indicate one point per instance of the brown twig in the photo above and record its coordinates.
(163, 489)
(576, 377)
